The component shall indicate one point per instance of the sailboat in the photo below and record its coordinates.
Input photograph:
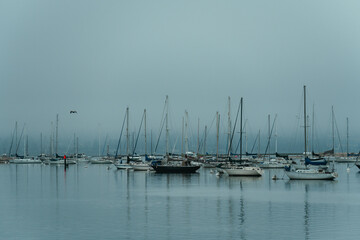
(166, 166)
(25, 159)
(307, 173)
(241, 169)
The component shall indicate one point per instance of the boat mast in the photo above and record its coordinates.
(241, 116)
(52, 139)
(41, 144)
(259, 144)
(305, 120)
(77, 148)
(151, 142)
(198, 140)
(186, 132)
(182, 137)
(205, 140)
(229, 125)
(57, 127)
(167, 124)
(269, 137)
(313, 129)
(333, 129)
(347, 136)
(145, 131)
(24, 147)
(75, 155)
(127, 132)
(246, 137)
(217, 134)
(276, 137)
(16, 141)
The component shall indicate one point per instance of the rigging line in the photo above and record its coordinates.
(267, 146)
(137, 138)
(238, 144)
(118, 145)
(102, 153)
(162, 122)
(233, 132)
(257, 136)
(157, 143)
(212, 123)
(162, 118)
(12, 141)
(337, 130)
(18, 145)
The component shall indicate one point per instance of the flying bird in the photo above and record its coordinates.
(73, 111)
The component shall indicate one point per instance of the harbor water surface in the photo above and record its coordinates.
(94, 202)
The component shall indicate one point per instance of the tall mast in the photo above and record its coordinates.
(57, 126)
(198, 137)
(167, 124)
(27, 145)
(347, 136)
(186, 132)
(333, 129)
(205, 139)
(308, 126)
(41, 144)
(16, 132)
(275, 137)
(145, 131)
(246, 138)
(313, 129)
(77, 147)
(24, 146)
(127, 132)
(241, 117)
(269, 132)
(229, 125)
(182, 137)
(98, 140)
(259, 144)
(305, 120)
(151, 145)
(217, 134)
(52, 140)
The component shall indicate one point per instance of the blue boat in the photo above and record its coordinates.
(319, 161)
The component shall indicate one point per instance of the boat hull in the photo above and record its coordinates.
(293, 175)
(244, 171)
(123, 166)
(25, 161)
(141, 167)
(175, 169)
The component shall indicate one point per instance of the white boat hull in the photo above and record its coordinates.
(309, 175)
(25, 161)
(141, 167)
(244, 171)
(123, 166)
(345, 159)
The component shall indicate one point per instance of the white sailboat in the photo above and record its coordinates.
(243, 171)
(238, 169)
(309, 173)
(26, 159)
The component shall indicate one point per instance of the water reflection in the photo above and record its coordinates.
(97, 203)
(306, 211)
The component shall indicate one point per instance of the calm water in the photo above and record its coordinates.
(91, 202)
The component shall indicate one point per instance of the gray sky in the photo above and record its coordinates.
(98, 57)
